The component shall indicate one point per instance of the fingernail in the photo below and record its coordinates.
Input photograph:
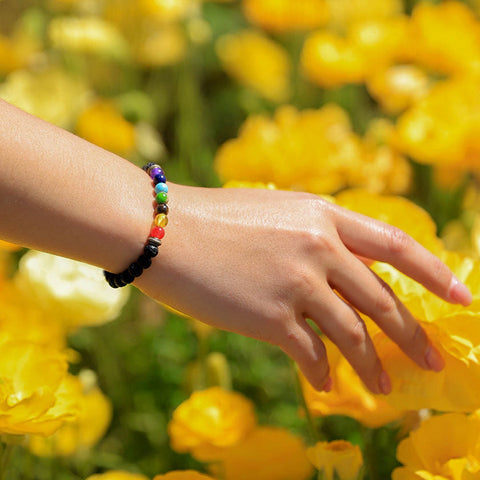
(328, 385)
(434, 360)
(459, 293)
(384, 383)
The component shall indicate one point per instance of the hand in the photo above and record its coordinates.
(260, 262)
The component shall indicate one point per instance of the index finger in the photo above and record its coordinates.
(380, 241)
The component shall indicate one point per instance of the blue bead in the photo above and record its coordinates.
(161, 187)
(160, 178)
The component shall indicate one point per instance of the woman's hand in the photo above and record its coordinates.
(256, 262)
(260, 262)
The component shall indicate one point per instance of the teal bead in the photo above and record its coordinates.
(161, 197)
(161, 187)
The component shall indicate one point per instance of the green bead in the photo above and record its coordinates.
(161, 197)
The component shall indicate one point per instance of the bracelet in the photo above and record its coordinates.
(157, 231)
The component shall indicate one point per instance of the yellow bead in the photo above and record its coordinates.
(161, 220)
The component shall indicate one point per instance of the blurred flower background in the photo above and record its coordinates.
(373, 104)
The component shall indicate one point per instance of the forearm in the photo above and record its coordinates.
(61, 194)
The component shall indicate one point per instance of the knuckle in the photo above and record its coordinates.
(357, 335)
(302, 282)
(397, 241)
(417, 337)
(320, 243)
(385, 303)
(292, 344)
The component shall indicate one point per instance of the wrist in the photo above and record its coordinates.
(150, 250)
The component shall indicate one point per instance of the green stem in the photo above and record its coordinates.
(203, 348)
(312, 426)
(370, 460)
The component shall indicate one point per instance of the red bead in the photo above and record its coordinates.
(157, 232)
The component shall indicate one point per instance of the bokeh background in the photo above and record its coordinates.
(373, 104)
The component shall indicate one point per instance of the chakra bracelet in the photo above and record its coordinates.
(157, 232)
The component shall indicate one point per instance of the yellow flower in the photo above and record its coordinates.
(445, 447)
(211, 421)
(167, 10)
(87, 35)
(381, 168)
(284, 15)
(452, 328)
(279, 150)
(330, 60)
(348, 396)
(165, 45)
(444, 37)
(50, 94)
(256, 62)
(10, 60)
(443, 127)
(398, 87)
(380, 41)
(22, 319)
(344, 13)
(19, 48)
(336, 460)
(102, 124)
(268, 453)
(71, 291)
(161, 40)
(91, 423)
(33, 397)
(117, 475)
(183, 475)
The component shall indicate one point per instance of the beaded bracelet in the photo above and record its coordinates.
(157, 232)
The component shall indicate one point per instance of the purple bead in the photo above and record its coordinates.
(155, 171)
(159, 178)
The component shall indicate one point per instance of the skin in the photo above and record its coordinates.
(255, 262)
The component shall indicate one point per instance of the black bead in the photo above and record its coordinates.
(111, 282)
(118, 281)
(144, 261)
(135, 269)
(162, 208)
(147, 166)
(150, 250)
(127, 277)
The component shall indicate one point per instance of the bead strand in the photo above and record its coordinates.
(157, 232)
